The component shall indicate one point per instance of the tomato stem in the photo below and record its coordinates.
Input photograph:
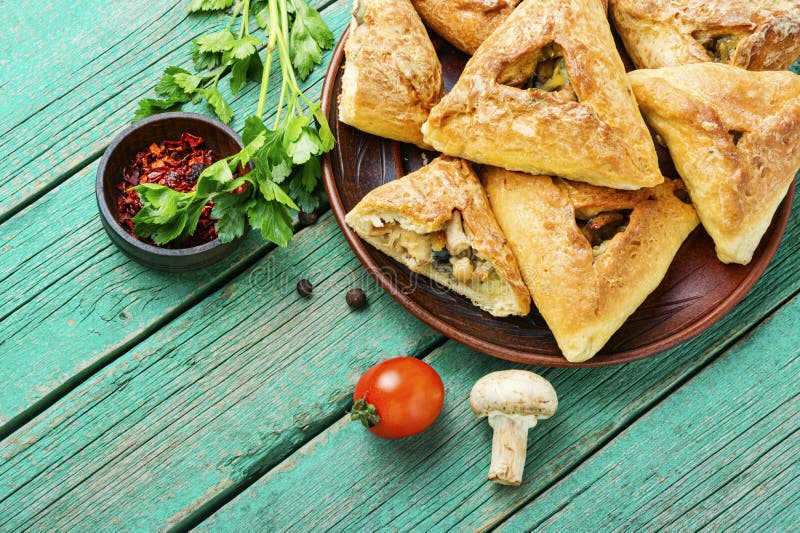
(365, 413)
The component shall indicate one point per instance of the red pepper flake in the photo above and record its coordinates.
(176, 164)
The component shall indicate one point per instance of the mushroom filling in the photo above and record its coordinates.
(448, 251)
(720, 47)
(544, 71)
(601, 227)
(359, 11)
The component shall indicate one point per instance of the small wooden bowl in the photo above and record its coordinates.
(219, 137)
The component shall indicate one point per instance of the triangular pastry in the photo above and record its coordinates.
(464, 23)
(392, 77)
(438, 223)
(752, 34)
(734, 136)
(589, 255)
(546, 93)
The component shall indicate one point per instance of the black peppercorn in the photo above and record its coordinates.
(304, 287)
(356, 298)
(307, 219)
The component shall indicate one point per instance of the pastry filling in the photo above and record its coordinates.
(720, 47)
(359, 11)
(448, 251)
(600, 228)
(543, 71)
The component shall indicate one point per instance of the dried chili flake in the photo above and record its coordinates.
(175, 164)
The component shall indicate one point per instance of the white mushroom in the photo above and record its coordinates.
(457, 240)
(462, 269)
(513, 400)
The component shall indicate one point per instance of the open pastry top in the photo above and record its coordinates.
(464, 23)
(752, 34)
(589, 255)
(392, 77)
(437, 221)
(735, 139)
(546, 93)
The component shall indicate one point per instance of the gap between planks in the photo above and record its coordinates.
(42, 404)
(657, 400)
(230, 493)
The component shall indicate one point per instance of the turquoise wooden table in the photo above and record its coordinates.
(136, 400)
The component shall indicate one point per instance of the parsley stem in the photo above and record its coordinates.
(280, 107)
(262, 96)
(234, 14)
(245, 15)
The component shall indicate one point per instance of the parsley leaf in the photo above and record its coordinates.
(168, 87)
(152, 106)
(243, 70)
(187, 82)
(305, 185)
(244, 47)
(230, 216)
(308, 37)
(216, 42)
(164, 214)
(204, 60)
(273, 219)
(209, 5)
(218, 104)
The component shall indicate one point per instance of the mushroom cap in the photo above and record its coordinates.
(513, 392)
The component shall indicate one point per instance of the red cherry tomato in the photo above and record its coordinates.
(405, 393)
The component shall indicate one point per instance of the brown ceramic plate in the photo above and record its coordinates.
(697, 291)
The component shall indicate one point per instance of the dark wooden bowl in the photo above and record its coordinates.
(697, 291)
(219, 137)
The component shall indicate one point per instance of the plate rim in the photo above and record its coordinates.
(720, 310)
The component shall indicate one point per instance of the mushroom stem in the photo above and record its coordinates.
(509, 444)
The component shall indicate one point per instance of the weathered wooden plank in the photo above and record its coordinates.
(69, 300)
(51, 48)
(346, 480)
(721, 452)
(174, 392)
(75, 71)
(210, 401)
(57, 119)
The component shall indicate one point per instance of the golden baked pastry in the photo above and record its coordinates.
(546, 93)
(437, 222)
(392, 77)
(752, 34)
(589, 255)
(464, 23)
(734, 136)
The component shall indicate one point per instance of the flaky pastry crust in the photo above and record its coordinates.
(464, 23)
(392, 77)
(424, 202)
(600, 138)
(735, 139)
(764, 34)
(585, 296)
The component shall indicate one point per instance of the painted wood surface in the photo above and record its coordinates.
(728, 464)
(211, 381)
(346, 480)
(65, 286)
(210, 401)
(213, 400)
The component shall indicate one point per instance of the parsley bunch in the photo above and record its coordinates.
(285, 157)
